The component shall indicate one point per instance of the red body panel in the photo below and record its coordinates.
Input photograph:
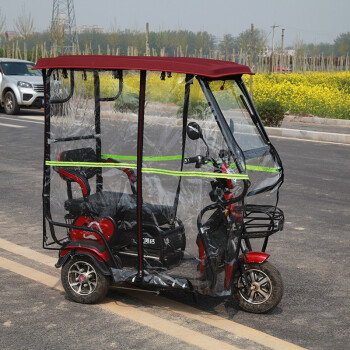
(228, 274)
(201, 257)
(255, 257)
(103, 225)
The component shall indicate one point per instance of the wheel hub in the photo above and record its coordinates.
(82, 278)
(254, 287)
(260, 287)
(9, 103)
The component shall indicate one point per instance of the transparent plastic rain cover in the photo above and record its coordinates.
(91, 166)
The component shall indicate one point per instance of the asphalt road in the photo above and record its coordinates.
(311, 254)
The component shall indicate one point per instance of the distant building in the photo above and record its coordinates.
(86, 29)
(12, 34)
(286, 52)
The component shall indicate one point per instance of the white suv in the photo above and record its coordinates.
(20, 85)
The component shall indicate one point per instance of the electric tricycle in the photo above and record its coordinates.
(155, 169)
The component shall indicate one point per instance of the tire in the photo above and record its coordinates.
(10, 103)
(266, 292)
(83, 282)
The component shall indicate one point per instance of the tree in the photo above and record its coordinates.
(300, 48)
(2, 22)
(259, 41)
(25, 27)
(56, 33)
(342, 44)
(226, 45)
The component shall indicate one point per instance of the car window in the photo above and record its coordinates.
(19, 68)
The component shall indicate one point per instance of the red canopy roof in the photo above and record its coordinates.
(196, 66)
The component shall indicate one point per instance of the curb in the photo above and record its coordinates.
(317, 120)
(309, 135)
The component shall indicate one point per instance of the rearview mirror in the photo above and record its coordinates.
(194, 131)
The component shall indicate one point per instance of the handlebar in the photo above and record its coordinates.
(199, 160)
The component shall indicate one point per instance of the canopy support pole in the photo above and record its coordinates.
(140, 128)
(99, 178)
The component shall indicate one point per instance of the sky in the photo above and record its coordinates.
(309, 21)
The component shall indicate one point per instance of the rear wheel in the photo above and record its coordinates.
(83, 282)
(10, 103)
(266, 289)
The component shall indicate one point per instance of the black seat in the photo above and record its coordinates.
(120, 206)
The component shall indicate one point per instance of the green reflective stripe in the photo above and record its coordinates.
(90, 164)
(255, 168)
(195, 174)
(262, 168)
(179, 157)
(149, 170)
(151, 159)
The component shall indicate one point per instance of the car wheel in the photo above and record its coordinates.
(10, 103)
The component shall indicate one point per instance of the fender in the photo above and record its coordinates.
(100, 265)
(250, 257)
(255, 257)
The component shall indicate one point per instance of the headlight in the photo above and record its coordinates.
(23, 84)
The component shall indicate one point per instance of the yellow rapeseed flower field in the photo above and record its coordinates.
(315, 93)
(312, 93)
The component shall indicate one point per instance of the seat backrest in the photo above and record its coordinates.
(80, 155)
(79, 174)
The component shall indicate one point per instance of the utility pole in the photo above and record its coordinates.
(148, 51)
(273, 45)
(282, 50)
(251, 58)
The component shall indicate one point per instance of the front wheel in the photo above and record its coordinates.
(266, 288)
(83, 282)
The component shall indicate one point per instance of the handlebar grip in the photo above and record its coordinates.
(190, 160)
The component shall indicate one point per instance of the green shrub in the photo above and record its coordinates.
(271, 112)
(127, 102)
(197, 109)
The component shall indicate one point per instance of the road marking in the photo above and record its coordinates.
(27, 253)
(162, 325)
(229, 326)
(33, 117)
(216, 321)
(21, 120)
(12, 125)
(28, 272)
(124, 310)
(296, 139)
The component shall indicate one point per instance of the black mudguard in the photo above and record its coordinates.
(100, 265)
